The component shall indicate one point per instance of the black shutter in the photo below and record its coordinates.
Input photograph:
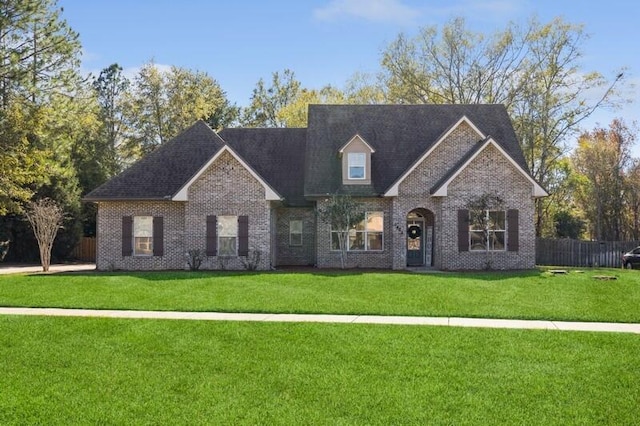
(127, 234)
(463, 230)
(158, 236)
(212, 236)
(243, 235)
(513, 230)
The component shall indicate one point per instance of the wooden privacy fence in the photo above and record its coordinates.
(567, 252)
(85, 250)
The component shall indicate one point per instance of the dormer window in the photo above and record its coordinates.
(356, 162)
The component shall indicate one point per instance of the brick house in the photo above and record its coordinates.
(244, 192)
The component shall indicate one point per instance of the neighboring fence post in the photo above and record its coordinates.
(85, 250)
(577, 253)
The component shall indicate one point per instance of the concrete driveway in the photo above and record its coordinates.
(30, 269)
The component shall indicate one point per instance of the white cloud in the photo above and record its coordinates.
(88, 56)
(476, 9)
(490, 7)
(390, 11)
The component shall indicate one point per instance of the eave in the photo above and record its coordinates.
(441, 188)
(270, 193)
(395, 187)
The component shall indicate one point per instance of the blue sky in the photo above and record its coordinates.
(324, 41)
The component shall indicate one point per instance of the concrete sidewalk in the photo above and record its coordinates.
(353, 319)
(31, 269)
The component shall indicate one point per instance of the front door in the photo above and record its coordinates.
(415, 242)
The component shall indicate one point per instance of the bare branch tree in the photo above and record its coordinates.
(45, 216)
(342, 213)
(534, 70)
(484, 215)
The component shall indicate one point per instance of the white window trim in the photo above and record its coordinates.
(366, 239)
(356, 137)
(218, 236)
(296, 233)
(504, 231)
(350, 165)
(133, 237)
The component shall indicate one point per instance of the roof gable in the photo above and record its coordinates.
(277, 154)
(400, 134)
(393, 189)
(300, 164)
(160, 174)
(441, 187)
(269, 193)
(355, 139)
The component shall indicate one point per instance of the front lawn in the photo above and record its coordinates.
(525, 295)
(108, 371)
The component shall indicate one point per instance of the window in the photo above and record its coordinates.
(356, 163)
(295, 232)
(227, 235)
(143, 235)
(487, 224)
(368, 235)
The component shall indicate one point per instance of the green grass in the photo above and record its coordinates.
(523, 295)
(109, 371)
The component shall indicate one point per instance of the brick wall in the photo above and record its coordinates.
(109, 234)
(414, 192)
(287, 254)
(228, 189)
(327, 258)
(225, 189)
(489, 172)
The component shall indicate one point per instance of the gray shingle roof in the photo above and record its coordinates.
(305, 162)
(275, 154)
(400, 134)
(160, 174)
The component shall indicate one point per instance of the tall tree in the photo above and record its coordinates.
(41, 115)
(266, 102)
(603, 158)
(191, 95)
(147, 112)
(23, 163)
(163, 103)
(532, 70)
(359, 90)
(632, 201)
(110, 88)
(454, 65)
(38, 62)
(295, 113)
(39, 52)
(364, 88)
(226, 115)
(556, 98)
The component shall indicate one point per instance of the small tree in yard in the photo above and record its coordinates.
(46, 217)
(482, 220)
(342, 213)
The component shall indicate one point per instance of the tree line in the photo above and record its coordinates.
(62, 133)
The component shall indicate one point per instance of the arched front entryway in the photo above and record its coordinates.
(420, 237)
